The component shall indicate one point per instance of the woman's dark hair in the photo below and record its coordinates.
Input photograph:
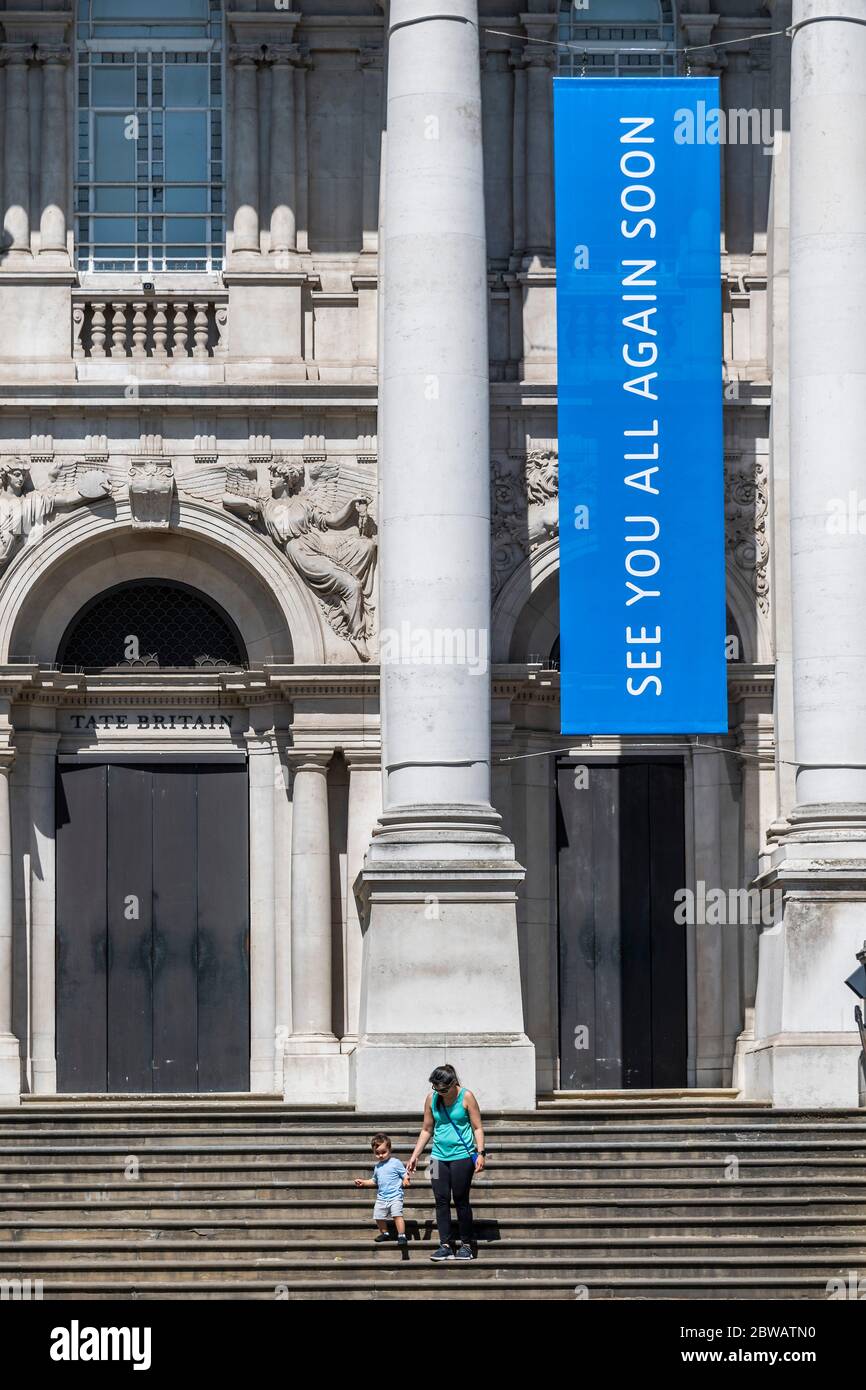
(443, 1076)
(380, 1139)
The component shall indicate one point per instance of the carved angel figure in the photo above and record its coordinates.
(25, 509)
(338, 568)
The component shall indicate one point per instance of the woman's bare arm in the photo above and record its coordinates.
(423, 1138)
(474, 1114)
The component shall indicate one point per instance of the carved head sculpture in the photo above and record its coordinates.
(287, 477)
(14, 475)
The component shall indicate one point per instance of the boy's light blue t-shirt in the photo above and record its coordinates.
(388, 1176)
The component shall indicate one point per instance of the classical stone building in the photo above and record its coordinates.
(279, 600)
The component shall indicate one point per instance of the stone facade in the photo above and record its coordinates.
(251, 431)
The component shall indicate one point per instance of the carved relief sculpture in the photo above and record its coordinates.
(525, 510)
(338, 564)
(24, 510)
(747, 496)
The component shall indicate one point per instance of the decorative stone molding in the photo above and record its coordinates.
(525, 508)
(151, 492)
(746, 504)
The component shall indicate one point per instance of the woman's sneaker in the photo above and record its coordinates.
(443, 1253)
(464, 1253)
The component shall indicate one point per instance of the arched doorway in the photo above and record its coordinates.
(152, 869)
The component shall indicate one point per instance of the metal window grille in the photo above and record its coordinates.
(151, 624)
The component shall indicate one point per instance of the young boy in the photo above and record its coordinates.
(389, 1178)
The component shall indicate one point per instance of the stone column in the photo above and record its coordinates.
(282, 903)
(806, 1052)
(10, 1053)
(537, 276)
(314, 1070)
(16, 152)
(302, 216)
(365, 807)
(245, 164)
(53, 180)
(262, 944)
(42, 748)
(371, 69)
(441, 971)
(539, 150)
(283, 174)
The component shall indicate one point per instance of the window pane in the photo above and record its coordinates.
(141, 10)
(113, 154)
(186, 200)
(186, 84)
(185, 229)
(186, 146)
(114, 87)
(111, 229)
(114, 199)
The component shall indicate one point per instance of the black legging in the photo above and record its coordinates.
(452, 1179)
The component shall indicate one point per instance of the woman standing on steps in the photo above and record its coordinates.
(452, 1117)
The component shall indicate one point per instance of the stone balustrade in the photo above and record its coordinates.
(158, 328)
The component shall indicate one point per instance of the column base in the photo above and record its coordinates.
(390, 1072)
(806, 1049)
(10, 1071)
(441, 970)
(315, 1072)
(809, 1071)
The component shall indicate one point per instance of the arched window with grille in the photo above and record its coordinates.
(617, 38)
(154, 624)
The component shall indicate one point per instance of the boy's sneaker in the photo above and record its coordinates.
(443, 1253)
(382, 1238)
(464, 1253)
(403, 1240)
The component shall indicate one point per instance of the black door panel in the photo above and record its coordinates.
(152, 928)
(622, 958)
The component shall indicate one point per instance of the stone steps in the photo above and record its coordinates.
(247, 1199)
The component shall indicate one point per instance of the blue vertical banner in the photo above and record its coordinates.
(642, 562)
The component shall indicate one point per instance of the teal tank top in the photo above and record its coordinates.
(446, 1143)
